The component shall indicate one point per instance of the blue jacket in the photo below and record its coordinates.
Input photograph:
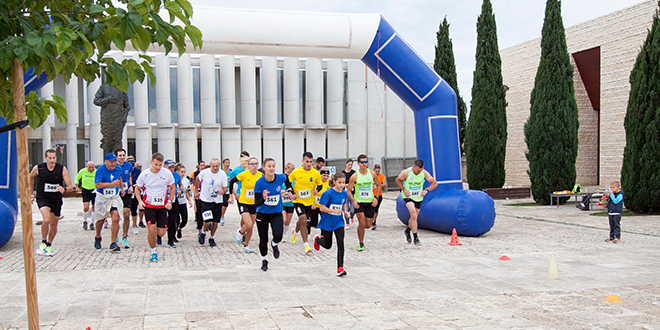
(615, 204)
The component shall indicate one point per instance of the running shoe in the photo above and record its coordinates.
(293, 236)
(91, 225)
(159, 240)
(202, 238)
(361, 247)
(141, 224)
(84, 225)
(175, 240)
(316, 244)
(49, 251)
(374, 226)
(222, 221)
(407, 233)
(341, 271)
(39, 223)
(276, 251)
(347, 227)
(97, 242)
(239, 237)
(114, 247)
(264, 265)
(135, 230)
(41, 249)
(124, 241)
(308, 250)
(417, 242)
(171, 246)
(212, 242)
(609, 239)
(105, 224)
(616, 241)
(178, 233)
(352, 222)
(154, 257)
(247, 249)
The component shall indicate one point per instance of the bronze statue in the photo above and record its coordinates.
(114, 111)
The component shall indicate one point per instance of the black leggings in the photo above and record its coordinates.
(198, 214)
(172, 215)
(325, 240)
(276, 224)
(182, 217)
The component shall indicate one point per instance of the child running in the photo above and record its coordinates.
(331, 203)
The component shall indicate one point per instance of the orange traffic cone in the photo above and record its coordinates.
(454, 238)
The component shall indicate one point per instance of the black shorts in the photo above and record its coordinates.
(302, 209)
(367, 209)
(225, 200)
(89, 196)
(247, 208)
(55, 206)
(156, 217)
(288, 209)
(418, 205)
(126, 199)
(380, 200)
(134, 207)
(313, 217)
(215, 209)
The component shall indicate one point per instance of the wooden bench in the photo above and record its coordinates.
(504, 193)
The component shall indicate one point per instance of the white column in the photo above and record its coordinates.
(410, 137)
(166, 140)
(231, 133)
(357, 109)
(46, 127)
(272, 131)
(94, 112)
(251, 133)
(376, 104)
(187, 130)
(294, 132)
(143, 139)
(396, 128)
(335, 109)
(316, 135)
(72, 126)
(210, 127)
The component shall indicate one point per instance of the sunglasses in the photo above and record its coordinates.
(254, 164)
(364, 162)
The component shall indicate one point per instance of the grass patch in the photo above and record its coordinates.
(623, 214)
(523, 204)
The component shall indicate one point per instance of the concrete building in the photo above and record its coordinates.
(603, 52)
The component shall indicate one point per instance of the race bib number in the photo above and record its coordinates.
(207, 215)
(365, 193)
(286, 198)
(335, 207)
(304, 193)
(317, 199)
(249, 194)
(49, 188)
(214, 194)
(157, 201)
(415, 193)
(272, 200)
(182, 199)
(109, 191)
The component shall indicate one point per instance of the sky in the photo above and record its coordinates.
(417, 21)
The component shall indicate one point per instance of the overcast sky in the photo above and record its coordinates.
(417, 21)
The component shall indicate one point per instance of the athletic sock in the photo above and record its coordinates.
(273, 244)
(415, 235)
(286, 229)
(212, 237)
(264, 257)
(153, 250)
(296, 233)
(85, 217)
(306, 243)
(44, 241)
(48, 243)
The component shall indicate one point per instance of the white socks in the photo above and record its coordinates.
(286, 229)
(273, 244)
(85, 216)
(153, 250)
(264, 257)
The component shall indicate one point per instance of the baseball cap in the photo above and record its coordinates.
(110, 156)
(169, 162)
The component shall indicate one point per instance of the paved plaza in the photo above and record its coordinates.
(390, 285)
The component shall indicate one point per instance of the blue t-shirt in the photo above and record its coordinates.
(126, 170)
(332, 200)
(103, 174)
(135, 173)
(232, 174)
(177, 180)
(273, 202)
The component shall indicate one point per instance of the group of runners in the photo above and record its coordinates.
(162, 194)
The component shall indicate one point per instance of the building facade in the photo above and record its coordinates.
(603, 52)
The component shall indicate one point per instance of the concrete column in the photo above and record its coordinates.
(395, 127)
(251, 133)
(410, 137)
(187, 130)
(316, 134)
(72, 127)
(272, 131)
(335, 109)
(143, 150)
(376, 117)
(210, 127)
(166, 139)
(231, 132)
(46, 127)
(357, 109)
(95, 151)
(294, 132)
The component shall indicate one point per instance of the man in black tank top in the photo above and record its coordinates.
(49, 197)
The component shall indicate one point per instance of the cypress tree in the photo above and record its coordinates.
(551, 131)
(445, 66)
(486, 132)
(640, 173)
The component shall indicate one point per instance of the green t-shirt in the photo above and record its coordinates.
(87, 178)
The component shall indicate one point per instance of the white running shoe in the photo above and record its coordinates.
(135, 230)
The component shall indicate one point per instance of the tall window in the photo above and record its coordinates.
(174, 97)
(196, 96)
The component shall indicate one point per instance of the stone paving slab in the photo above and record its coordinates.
(391, 285)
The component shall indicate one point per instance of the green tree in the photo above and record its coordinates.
(640, 173)
(551, 131)
(445, 66)
(486, 132)
(61, 37)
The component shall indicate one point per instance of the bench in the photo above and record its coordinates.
(507, 193)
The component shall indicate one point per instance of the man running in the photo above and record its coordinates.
(126, 169)
(50, 175)
(137, 169)
(155, 191)
(363, 199)
(109, 201)
(211, 186)
(320, 162)
(173, 213)
(306, 184)
(85, 181)
(411, 183)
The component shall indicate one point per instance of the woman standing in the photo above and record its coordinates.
(246, 202)
(182, 199)
(332, 201)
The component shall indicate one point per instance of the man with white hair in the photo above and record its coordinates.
(212, 185)
(109, 190)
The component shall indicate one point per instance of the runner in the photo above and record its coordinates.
(182, 199)
(363, 199)
(287, 204)
(85, 182)
(135, 211)
(306, 183)
(411, 183)
(225, 199)
(197, 207)
(212, 183)
(109, 201)
(348, 172)
(50, 175)
(313, 218)
(126, 169)
(173, 213)
(243, 159)
(154, 191)
(383, 184)
(267, 193)
(246, 202)
(318, 165)
(332, 201)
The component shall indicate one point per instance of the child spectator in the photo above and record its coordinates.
(614, 208)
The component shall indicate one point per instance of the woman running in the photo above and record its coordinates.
(268, 195)
(332, 201)
(225, 199)
(246, 202)
(314, 215)
(287, 204)
(182, 199)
